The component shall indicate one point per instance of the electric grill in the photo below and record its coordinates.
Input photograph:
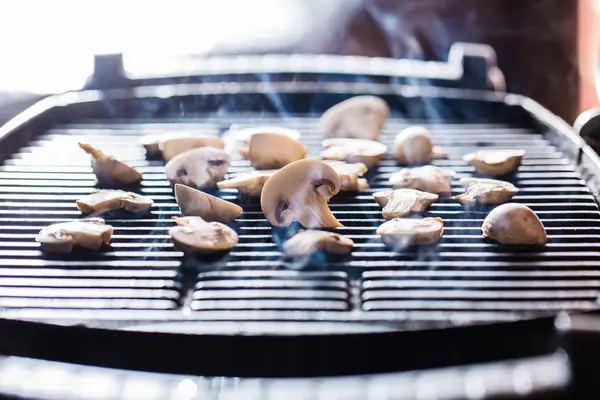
(462, 319)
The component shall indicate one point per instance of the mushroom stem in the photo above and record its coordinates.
(94, 152)
(317, 213)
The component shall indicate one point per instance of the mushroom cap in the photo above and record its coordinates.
(194, 235)
(514, 223)
(304, 243)
(402, 232)
(104, 200)
(109, 170)
(90, 233)
(274, 150)
(246, 133)
(250, 183)
(360, 117)
(488, 193)
(401, 202)
(495, 162)
(201, 167)
(413, 145)
(172, 147)
(364, 151)
(300, 192)
(427, 178)
(193, 202)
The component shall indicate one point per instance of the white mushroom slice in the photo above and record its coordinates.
(401, 202)
(490, 192)
(513, 223)
(90, 233)
(360, 117)
(194, 235)
(350, 175)
(495, 162)
(413, 145)
(402, 232)
(368, 152)
(300, 192)
(153, 141)
(468, 181)
(105, 200)
(172, 147)
(273, 150)
(202, 167)
(193, 202)
(304, 243)
(248, 183)
(427, 178)
(246, 134)
(109, 170)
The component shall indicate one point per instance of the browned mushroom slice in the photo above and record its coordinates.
(249, 183)
(304, 243)
(401, 232)
(360, 117)
(401, 202)
(194, 235)
(273, 150)
(175, 146)
(487, 191)
(350, 175)
(193, 202)
(495, 162)
(105, 200)
(428, 179)
(201, 167)
(368, 152)
(90, 233)
(300, 192)
(109, 170)
(514, 224)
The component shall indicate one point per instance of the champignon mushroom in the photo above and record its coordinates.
(105, 200)
(90, 233)
(368, 152)
(202, 167)
(272, 150)
(360, 117)
(175, 146)
(300, 192)
(513, 223)
(193, 202)
(194, 235)
(350, 175)
(427, 178)
(401, 202)
(495, 162)
(469, 180)
(109, 170)
(246, 133)
(401, 232)
(249, 183)
(486, 191)
(304, 243)
(413, 145)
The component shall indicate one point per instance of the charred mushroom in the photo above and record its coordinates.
(304, 243)
(194, 235)
(109, 170)
(401, 202)
(201, 167)
(413, 145)
(173, 147)
(350, 175)
(105, 200)
(368, 152)
(300, 192)
(401, 232)
(486, 191)
(428, 179)
(513, 223)
(360, 117)
(249, 183)
(495, 162)
(193, 202)
(273, 150)
(90, 233)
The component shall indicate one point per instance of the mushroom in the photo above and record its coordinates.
(513, 223)
(175, 146)
(365, 151)
(272, 150)
(246, 133)
(300, 192)
(350, 175)
(401, 202)
(193, 202)
(486, 191)
(90, 233)
(109, 170)
(304, 243)
(413, 145)
(194, 235)
(427, 178)
(469, 180)
(360, 117)
(105, 200)
(401, 232)
(495, 162)
(250, 183)
(202, 167)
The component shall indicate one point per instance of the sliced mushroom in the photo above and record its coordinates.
(350, 175)
(194, 235)
(273, 150)
(439, 152)
(513, 223)
(304, 243)
(249, 183)
(300, 192)
(175, 146)
(487, 191)
(193, 202)
(401, 202)
(246, 133)
(360, 117)
(368, 152)
(153, 141)
(202, 167)
(427, 178)
(402, 232)
(468, 181)
(109, 170)
(495, 162)
(105, 200)
(413, 145)
(90, 233)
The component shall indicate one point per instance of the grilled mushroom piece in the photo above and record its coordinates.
(427, 178)
(193, 202)
(304, 243)
(486, 191)
(495, 162)
(109, 170)
(90, 233)
(413, 145)
(273, 150)
(402, 232)
(194, 235)
(300, 192)
(175, 146)
(350, 175)
(246, 133)
(368, 152)
(249, 183)
(360, 117)
(401, 202)
(202, 167)
(514, 224)
(105, 200)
